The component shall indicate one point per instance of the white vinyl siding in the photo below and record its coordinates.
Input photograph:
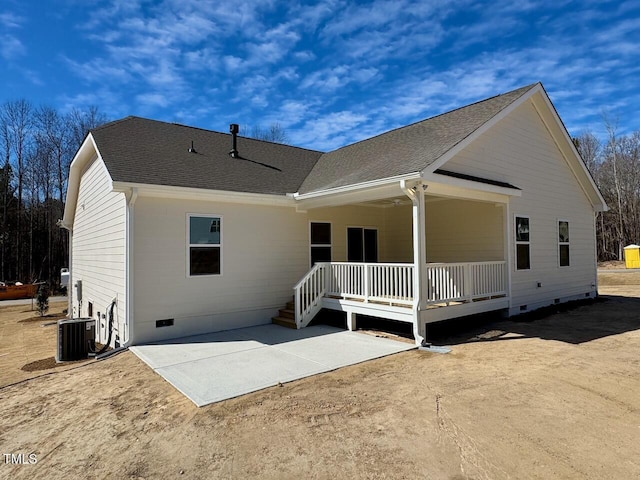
(99, 231)
(463, 231)
(265, 250)
(519, 150)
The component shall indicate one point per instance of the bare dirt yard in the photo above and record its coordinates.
(554, 395)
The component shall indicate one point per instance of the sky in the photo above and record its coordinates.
(330, 73)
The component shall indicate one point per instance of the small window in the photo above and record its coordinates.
(523, 244)
(563, 243)
(205, 245)
(320, 242)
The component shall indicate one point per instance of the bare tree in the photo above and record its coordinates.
(17, 115)
(612, 147)
(274, 133)
(80, 122)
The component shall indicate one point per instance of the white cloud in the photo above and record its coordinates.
(11, 20)
(11, 47)
(152, 99)
(331, 130)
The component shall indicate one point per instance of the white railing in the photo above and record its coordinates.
(390, 283)
(393, 284)
(308, 294)
(460, 282)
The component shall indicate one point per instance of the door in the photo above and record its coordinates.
(362, 245)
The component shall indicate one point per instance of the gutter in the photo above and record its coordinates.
(358, 186)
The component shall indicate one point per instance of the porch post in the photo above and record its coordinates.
(419, 245)
(508, 250)
(416, 194)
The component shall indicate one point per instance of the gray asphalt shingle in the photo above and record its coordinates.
(138, 150)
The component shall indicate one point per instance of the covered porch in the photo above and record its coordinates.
(431, 257)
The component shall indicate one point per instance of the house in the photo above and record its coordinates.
(178, 231)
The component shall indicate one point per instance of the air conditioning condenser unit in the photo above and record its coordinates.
(76, 338)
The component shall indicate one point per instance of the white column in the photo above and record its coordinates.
(416, 194)
(419, 245)
(508, 249)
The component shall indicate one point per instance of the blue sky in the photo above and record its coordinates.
(330, 73)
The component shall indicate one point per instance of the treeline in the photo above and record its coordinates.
(37, 145)
(614, 164)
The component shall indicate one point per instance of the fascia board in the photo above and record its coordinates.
(87, 152)
(356, 187)
(187, 193)
(353, 197)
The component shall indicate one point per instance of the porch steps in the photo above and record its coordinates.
(286, 316)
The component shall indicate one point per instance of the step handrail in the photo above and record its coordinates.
(308, 294)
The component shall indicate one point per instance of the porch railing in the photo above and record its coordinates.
(393, 284)
(459, 282)
(390, 283)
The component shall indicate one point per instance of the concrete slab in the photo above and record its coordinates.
(217, 366)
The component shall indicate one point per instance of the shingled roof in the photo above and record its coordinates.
(405, 150)
(138, 150)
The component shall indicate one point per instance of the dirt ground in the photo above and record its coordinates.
(546, 396)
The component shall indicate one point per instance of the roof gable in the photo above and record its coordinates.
(407, 149)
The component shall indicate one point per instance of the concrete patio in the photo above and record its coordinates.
(218, 366)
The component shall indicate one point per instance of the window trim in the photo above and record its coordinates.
(189, 245)
(330, 244)
(517, 242)
(568, 244)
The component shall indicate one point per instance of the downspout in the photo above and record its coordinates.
(131, 198)
(595, 253)
(69, 230)
(416, 194)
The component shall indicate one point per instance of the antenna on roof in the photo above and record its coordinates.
(191, 149)
(234, 128)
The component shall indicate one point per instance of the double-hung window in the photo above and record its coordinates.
(563, 243)
(320, 237)
(523, 243)
(204, 256)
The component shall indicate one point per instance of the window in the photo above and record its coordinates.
(563, 243)
(362, 245)
(320, 242)
(205, 245)
(523, 244)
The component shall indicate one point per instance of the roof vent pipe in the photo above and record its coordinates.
(191, 149)
(234, 128)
